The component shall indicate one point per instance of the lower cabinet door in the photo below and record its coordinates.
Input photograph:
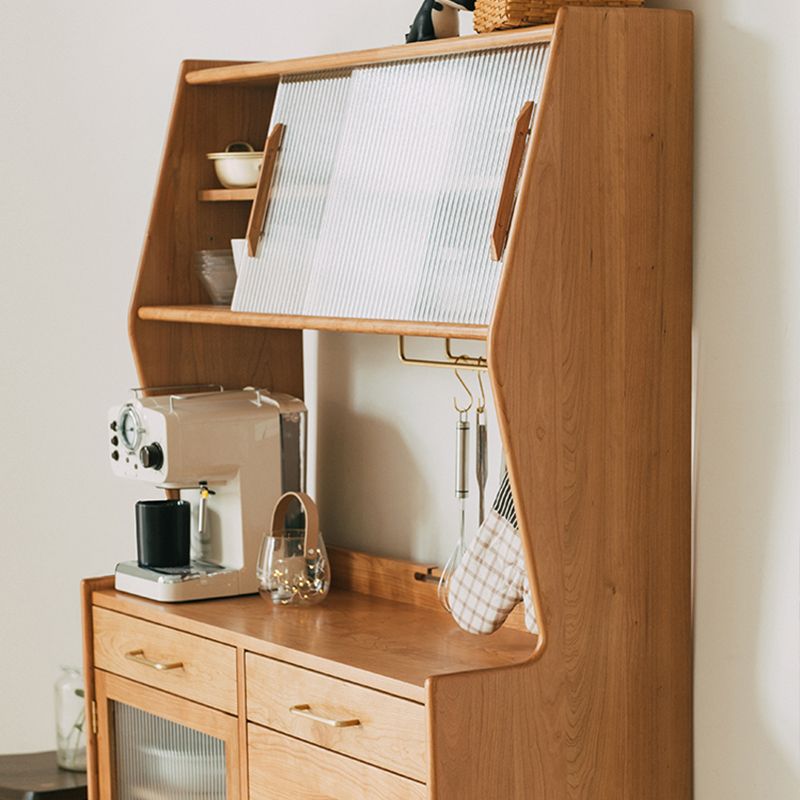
(282, 767)
(153, 745)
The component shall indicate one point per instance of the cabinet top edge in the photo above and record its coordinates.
(269, 72)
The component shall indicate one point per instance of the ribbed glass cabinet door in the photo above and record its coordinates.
(386, 188)
(152, 745)
(157, 758)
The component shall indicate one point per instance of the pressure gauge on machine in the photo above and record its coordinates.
(130, 428)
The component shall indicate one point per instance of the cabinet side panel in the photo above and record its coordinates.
(88, 587)
(204, 119)
(590, 356)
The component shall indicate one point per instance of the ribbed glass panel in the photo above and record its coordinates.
(386, 189)
(156, 759)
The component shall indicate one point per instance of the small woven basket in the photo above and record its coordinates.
(496, 15)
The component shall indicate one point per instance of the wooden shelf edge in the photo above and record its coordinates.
(267, 72)
(219, 315)
(394, 579)
(225, 195)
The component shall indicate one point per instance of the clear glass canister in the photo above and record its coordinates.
(70, 720)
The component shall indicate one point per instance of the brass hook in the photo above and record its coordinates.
(466, 389)
(482, 403)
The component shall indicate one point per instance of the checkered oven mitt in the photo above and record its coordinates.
(491, 578)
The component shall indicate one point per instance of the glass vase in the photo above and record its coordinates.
(293, 567)
(70, 720)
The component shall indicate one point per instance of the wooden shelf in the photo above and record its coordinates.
(265, 73)
(225, 195)
(390, 646)
(219, 315)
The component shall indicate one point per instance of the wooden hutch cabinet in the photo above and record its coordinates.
(376, 694)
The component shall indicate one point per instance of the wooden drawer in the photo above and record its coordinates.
(284, 767)
(390, 733)
(140, 650)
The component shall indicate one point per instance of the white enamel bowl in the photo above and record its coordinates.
(237, 170)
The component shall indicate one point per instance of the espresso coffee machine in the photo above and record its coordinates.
(231, 454)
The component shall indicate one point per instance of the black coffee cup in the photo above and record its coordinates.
(163, 535)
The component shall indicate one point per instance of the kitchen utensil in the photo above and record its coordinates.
(231, 454)
(461, 493)
(293, 566)
(491, 578)
(481, 451)
(238, 166)
(163, 537)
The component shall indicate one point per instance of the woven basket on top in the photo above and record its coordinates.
(495, 15)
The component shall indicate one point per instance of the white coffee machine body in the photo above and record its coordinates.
(231, 454)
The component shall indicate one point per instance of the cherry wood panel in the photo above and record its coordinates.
(88, 587)
(393, 579)
(590, 358)
(389, 646)
(226, 195)
(220, 315)
(284, 767)
(207, 672)
(268, 73)
(260, 206)
(241, 713)
(203, 120)
(389, 733)
(508, 193)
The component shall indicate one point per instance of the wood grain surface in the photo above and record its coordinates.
(226, 195)
(260, 206)
(208, 671)
(285, 767)
(394, 579)
(204, 120)
(88, 587)
(508, 192)
(267, 73)
(219, 315)
(391, 732)
(241, 715)
(590, 357)
(392, 647)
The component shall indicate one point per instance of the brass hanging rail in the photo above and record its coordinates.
(477, 363)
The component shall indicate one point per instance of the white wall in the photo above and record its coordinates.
(85, 91)
(747, 283)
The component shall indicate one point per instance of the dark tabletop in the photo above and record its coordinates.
(36, 775)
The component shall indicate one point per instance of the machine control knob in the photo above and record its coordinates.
(115, 455)
(152, 456)
(113, 425)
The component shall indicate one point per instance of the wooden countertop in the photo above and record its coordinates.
(387, 645)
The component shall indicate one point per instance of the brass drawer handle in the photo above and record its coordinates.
(139, 657)
(304, 710)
